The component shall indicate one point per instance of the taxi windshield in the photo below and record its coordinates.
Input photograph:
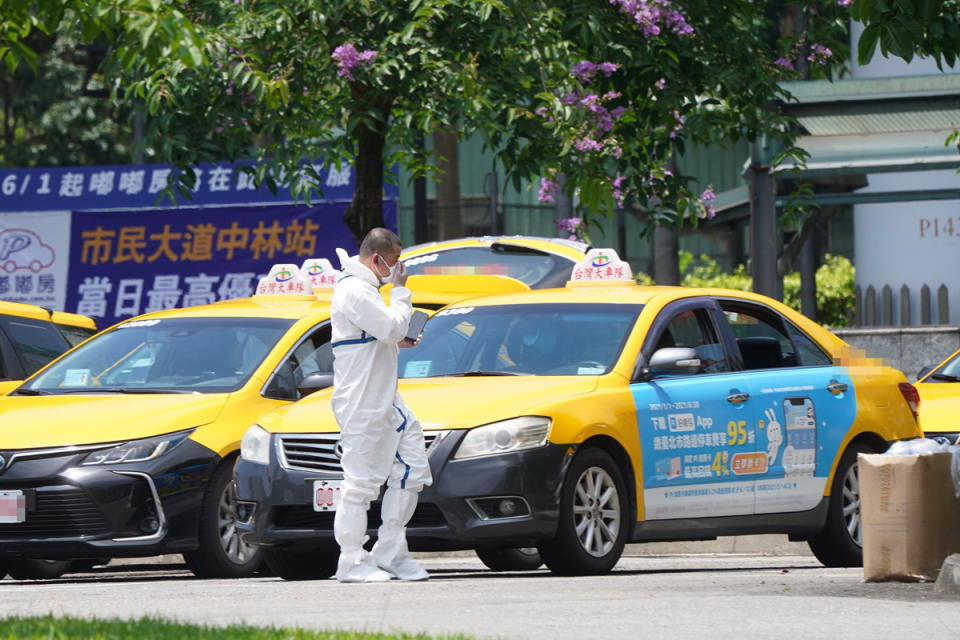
(534, 340)
(205, 355)
(535, 268)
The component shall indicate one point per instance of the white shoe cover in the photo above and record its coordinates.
(359, 567)
(404, 567)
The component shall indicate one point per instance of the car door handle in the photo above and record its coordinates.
(836, 388)
(738, 398)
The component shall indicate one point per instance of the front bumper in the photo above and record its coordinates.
(950, 437)
(135, 509)
(459, 511)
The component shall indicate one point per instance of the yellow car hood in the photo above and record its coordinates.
(445, 403)
(939, 406)
(31, 422)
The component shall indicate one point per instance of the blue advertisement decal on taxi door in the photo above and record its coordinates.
(695, 441)
(801, 425)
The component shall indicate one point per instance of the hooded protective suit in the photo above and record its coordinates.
(381, 438)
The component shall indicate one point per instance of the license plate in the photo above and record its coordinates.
(326, 494)
(13, 506)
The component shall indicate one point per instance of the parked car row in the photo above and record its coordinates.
(567, 412)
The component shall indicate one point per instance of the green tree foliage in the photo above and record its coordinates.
(603, 92)
(835, 284)
(906, 28)
(57, 111)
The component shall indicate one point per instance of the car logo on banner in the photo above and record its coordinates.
(23, 249)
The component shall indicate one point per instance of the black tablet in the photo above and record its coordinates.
(417, 320)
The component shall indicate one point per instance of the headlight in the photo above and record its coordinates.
(255, 446)
(137, 450)
(526, 432)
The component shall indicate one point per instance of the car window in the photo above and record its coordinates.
(692, 328)
(809, 354)
(313, 355)
(205, 355)
(761, 336)
(75, 335)
(539, 340)
(535, 268)
(37, 343)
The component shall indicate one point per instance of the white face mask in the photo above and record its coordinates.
(390, 270)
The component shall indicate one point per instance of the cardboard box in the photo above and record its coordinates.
(910, 516)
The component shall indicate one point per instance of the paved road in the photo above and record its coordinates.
(676, 596)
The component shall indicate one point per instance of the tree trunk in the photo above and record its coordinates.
(666, 261)
(449, 215)
(365, 210)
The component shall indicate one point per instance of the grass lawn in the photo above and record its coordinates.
(51, 628)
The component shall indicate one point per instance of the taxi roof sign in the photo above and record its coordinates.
(599, 266)
(284, 279)
(319, 273)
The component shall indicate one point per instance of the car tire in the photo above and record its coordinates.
(590, 534)
(35, 569)
(520, 559)
(221, 554)
(839, 544)
(289, 564)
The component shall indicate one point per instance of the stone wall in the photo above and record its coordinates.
(906, 348)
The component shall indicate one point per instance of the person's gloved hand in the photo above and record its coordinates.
(400, 275)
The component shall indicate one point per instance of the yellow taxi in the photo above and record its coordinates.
(940, 400)
(125, 445)
(32, 336)
(563, 423)
(493, 264)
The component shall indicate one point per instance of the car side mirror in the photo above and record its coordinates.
(314, 382)
(924, 371)
(670, 361)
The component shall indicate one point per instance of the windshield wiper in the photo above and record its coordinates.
(30, 392)
(946, 377)
(131, 390)
(477, 373)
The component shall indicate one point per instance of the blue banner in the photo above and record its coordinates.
(124, 263)
(142, 186)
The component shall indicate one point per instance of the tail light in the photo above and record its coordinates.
(911, 395)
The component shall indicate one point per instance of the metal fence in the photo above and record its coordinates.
(888, 307)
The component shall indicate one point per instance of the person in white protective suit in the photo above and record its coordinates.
(381, 438)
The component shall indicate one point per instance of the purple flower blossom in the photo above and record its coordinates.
(584, 71)
(606, 68)
(660, 84)
(574, 226)
(348, 58)
(548, 188)
(819, 54)
(784, 62)
(587, 144)
(654, 15)
(618, 193)
(706, 199)
(844, 3)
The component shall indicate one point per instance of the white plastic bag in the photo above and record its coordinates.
(919, 446)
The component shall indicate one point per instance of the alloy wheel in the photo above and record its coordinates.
(236, 549)
(596, 511)
(851, 503)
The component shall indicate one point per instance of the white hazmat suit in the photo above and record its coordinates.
(381, 438)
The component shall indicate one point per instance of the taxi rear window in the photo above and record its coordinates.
(538, 340)
(537, 269)
(37, 343)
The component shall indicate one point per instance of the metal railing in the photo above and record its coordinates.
(886, 307)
